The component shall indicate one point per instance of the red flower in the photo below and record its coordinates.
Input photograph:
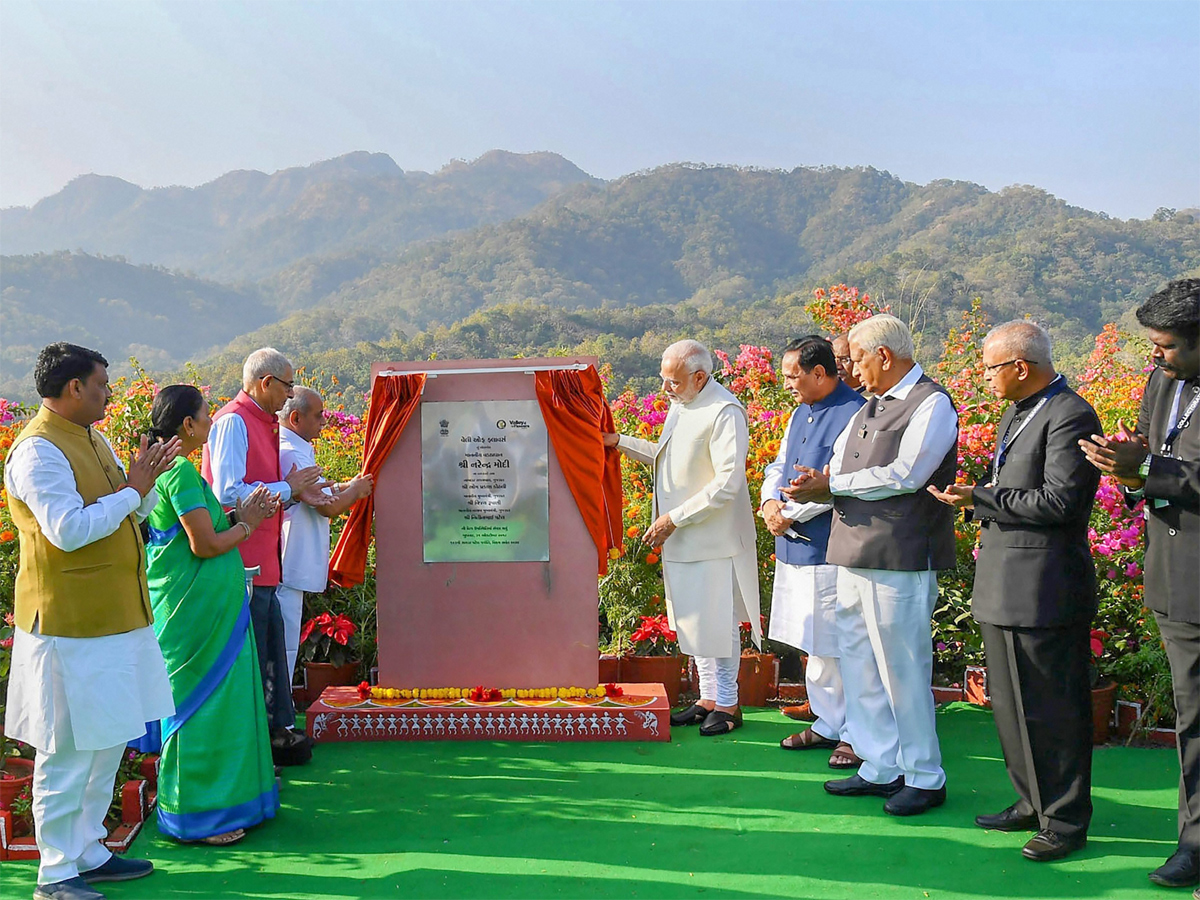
(364, 690)
(611, 690)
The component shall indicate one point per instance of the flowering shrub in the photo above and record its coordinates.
(326, 639)
(654, 637)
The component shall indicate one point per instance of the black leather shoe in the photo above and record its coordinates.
(1047, 845)
(857, 786)
(1181, 870)
(1009, 820)
(693, 715)
(913, 801)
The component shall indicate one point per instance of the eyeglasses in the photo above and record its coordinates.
(1003, 364)
(288, 384)
(842, 360)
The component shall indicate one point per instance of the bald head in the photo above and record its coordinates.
(1021, 340)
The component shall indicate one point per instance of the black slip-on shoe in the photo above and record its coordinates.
(857, 786)
(913, 801)
(1009, 820)
(1181, 870)
(118, 868)
(1048, 845)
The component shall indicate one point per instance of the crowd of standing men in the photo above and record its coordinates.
(861, 499)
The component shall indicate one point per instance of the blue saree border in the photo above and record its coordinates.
(198, 825)
(187, 708)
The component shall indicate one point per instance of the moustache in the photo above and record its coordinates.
(1162, 364)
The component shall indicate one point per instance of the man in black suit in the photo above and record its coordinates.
(1160, 462)
(1035, 590)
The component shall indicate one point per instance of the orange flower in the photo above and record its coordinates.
(651, 558)
(6, 536)
(632, 531)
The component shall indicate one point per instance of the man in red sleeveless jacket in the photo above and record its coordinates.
(242, 453)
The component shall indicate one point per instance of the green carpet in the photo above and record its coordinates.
(730, 816)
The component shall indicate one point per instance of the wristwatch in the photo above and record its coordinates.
(1144, 468)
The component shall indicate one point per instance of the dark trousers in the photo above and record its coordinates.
(1042, 699)
(1182, 641)
(267, 620)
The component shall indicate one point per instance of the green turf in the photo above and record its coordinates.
(730, 816)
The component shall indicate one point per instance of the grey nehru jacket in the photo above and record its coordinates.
(906, 533)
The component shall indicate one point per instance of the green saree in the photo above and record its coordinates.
(216, 772)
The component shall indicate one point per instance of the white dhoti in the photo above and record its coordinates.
(291, 605)
(78, 701)
(883, 620)
(705, 597)
(804, 615)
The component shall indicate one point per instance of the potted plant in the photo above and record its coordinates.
(21, 808)
(757, 673)
(325, 652)
(656, 658)
(1104, 689)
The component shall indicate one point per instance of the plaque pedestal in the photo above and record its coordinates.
(640, 714)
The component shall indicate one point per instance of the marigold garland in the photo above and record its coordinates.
(480, 693)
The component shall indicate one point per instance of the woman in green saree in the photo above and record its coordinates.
(216, 777)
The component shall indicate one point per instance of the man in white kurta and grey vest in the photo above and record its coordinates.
(87, 672)
(705, 526)
(804, 597)
(889, 538)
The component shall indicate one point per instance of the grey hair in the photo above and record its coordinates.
(883, 331)
(261, 363)
(303, 399)
(695, 356)
(1022, 339)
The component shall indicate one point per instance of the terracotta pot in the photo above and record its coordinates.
(664, 670)
(318, 676)
(756, 679)
(20, 772)
(610, 669)
(1103, 704)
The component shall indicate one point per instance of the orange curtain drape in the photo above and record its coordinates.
(393, 399)
(576, 416)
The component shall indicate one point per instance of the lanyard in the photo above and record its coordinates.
(1181, 422)
(1005, 442)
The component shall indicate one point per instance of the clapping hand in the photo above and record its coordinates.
(809, 486)
(149, 462)
(960, 496)
(300, 480)
(1120, 457)
(259, 504)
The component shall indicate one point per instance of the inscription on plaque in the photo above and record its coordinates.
(484, 482)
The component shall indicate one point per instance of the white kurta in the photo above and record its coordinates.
(111, 685)
(803, 598)
(710, 567)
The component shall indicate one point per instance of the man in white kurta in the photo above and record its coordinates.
(305, 534)
(804, 596)
(705, 526)
(78, 700)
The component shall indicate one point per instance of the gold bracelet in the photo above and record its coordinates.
(246, 528)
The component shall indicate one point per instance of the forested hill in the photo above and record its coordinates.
(247, 225)
(740, 249)
(162, 318)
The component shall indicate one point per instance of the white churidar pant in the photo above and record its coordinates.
(291, 604)
(804, 615)
(78, 701)
(887, 667)
(719, 675)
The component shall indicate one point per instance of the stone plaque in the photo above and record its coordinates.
(484, 482)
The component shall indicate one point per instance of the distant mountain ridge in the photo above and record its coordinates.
(246, 225)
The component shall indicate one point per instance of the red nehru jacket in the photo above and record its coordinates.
(263, 547)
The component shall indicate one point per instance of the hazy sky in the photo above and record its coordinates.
(1098, 103)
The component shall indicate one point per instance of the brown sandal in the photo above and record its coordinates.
(807, 740)
(845, 751)
(220, 840)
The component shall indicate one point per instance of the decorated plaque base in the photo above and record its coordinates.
(640, 714)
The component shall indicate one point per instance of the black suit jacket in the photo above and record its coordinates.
(1035, 566)
(1173, 531)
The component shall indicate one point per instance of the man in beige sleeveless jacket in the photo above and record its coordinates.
(87, 673)
(705, 526)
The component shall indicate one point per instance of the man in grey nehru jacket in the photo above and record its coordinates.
(889, 537)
